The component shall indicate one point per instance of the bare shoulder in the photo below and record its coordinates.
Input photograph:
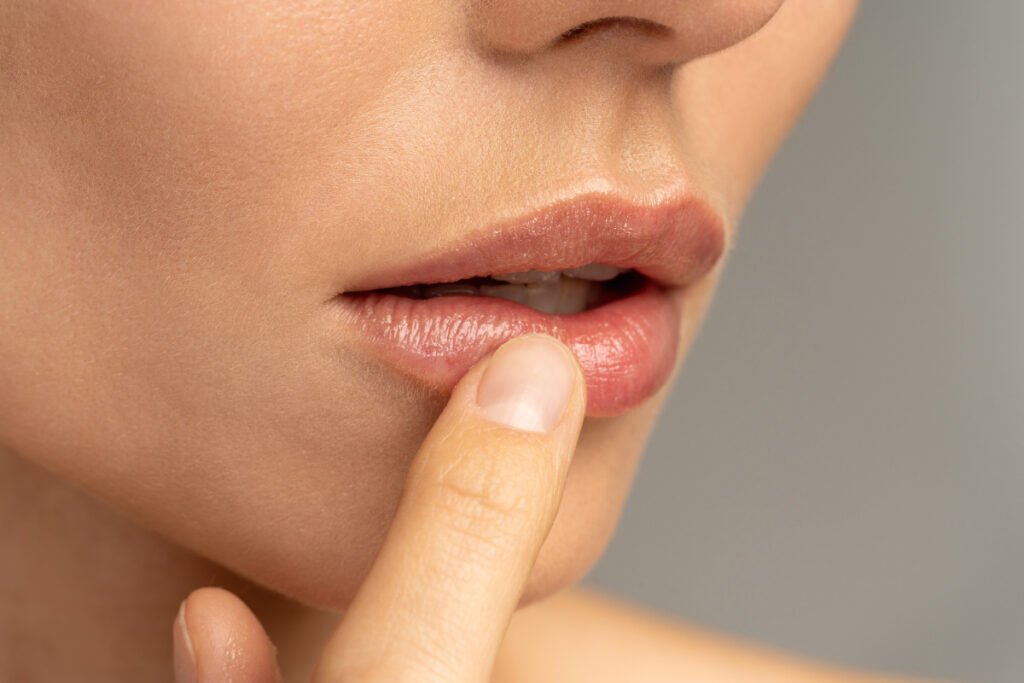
(583, 635)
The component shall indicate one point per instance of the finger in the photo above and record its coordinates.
(478, 502)
(217, 639)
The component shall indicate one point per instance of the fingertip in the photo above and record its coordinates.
(579, 381)
(184, 654)
(578, 400)
(531, 383)
(479, 500)
(218, 638)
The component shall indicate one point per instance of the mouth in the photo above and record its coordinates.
(553, 292)
(605, 275)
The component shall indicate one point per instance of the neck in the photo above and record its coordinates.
(88, 595)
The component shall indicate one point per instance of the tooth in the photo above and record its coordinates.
(529, 276)
(546, 298)
(575, 295)
(565, 297)
(515, 293)
(599, 272)
(554, 295)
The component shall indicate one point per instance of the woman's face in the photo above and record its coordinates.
(191, 191)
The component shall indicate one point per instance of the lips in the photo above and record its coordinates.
(626, 338)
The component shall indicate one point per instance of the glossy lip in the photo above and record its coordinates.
(673, 242)
(627, 348)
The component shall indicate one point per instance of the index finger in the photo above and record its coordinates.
(478, 502)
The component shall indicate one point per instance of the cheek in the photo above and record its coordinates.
(154, 350)
(155, 172)
(736, 106)
(174, 140)
(165, 344)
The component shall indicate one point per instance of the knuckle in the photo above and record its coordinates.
(488, 502)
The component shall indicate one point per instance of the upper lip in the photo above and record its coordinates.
(673, 242)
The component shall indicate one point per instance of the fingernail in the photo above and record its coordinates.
(527, 384)
(184, 655)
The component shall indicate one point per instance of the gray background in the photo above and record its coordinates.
(840, 472)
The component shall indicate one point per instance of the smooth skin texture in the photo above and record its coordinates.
(436, 606)
(184, 188)
(477, 505)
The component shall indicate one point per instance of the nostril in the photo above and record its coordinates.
(643, 26)
(642, 34)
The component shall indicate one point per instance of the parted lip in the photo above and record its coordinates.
(674, 242)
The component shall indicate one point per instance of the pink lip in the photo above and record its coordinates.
(627, 348)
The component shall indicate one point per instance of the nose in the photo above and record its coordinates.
(648, 32)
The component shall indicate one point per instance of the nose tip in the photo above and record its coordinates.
(647, 32)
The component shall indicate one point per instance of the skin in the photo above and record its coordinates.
(184, 187)
(479, 499)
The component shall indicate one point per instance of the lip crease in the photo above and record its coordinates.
(627, 347)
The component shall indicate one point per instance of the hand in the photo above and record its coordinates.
(479, 500)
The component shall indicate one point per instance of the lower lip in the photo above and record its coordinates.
(627, 348)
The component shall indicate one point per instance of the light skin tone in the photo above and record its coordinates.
(479, 499)
(182, 187)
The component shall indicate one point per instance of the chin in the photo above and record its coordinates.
(321, 571)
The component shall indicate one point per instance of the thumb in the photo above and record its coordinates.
(217, 639)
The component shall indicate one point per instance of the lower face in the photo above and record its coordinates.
(224, 229)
